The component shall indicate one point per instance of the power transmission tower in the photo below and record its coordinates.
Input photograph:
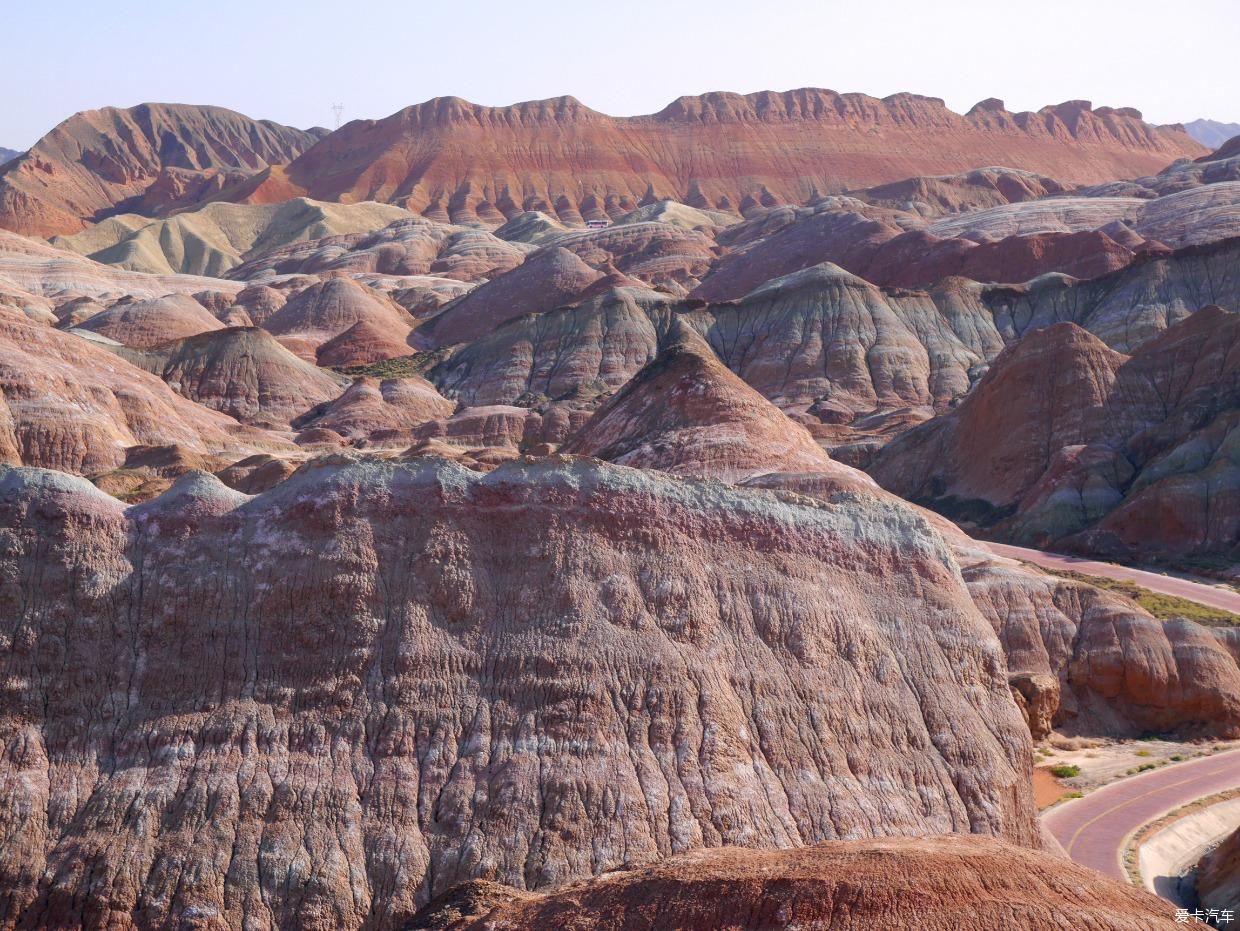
(338, 109)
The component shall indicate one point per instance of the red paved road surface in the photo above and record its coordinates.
(1221, 598)
(1092, 829)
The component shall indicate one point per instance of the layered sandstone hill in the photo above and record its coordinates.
(453, 160)
(1066, 441)
(1015, 242)
(1218, 876)
(878, 245)
(31, 267)
(405, 248)
(96, 162)
(1199, 214)
(549, 279)
(150, 323)
(687, 414)
(1084, 661)
(960, 193)
(388, 411)
(930, 884)
(218, 237)
(591, 349)
(326, 310)
(245, 373)
(328, 735)
(67, 404)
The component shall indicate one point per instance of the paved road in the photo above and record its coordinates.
(1093, 829)
(1214, 597)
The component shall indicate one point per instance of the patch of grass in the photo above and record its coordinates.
(1075, 795)
(1065, 772)
(1146, 767)
(1163, 607)
(1177, 758)
(403, 367)
(1144, 753)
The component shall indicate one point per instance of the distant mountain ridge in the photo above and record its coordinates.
(1212, 133)
(7, 155)
(102, 162)
(452, 160)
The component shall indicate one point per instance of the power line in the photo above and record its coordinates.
(338, 109)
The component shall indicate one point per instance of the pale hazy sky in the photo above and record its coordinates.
(273, 59)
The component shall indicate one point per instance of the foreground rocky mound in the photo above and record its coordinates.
(928, 884)
(96, 161)
(1218, 876)
(419, 675)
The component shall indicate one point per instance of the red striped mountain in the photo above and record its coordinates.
(452, 159)
(169, 155)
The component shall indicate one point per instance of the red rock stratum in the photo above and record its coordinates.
(96, 161)
(454, 160)
(419, 675)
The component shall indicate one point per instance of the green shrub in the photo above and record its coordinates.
(1065, 772)
(1163, 607)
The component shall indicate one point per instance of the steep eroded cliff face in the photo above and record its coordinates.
(322, 705)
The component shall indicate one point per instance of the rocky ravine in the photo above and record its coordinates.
(319, 707)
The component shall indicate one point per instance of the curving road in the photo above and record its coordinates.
(1092, 830)
(1215, 597)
